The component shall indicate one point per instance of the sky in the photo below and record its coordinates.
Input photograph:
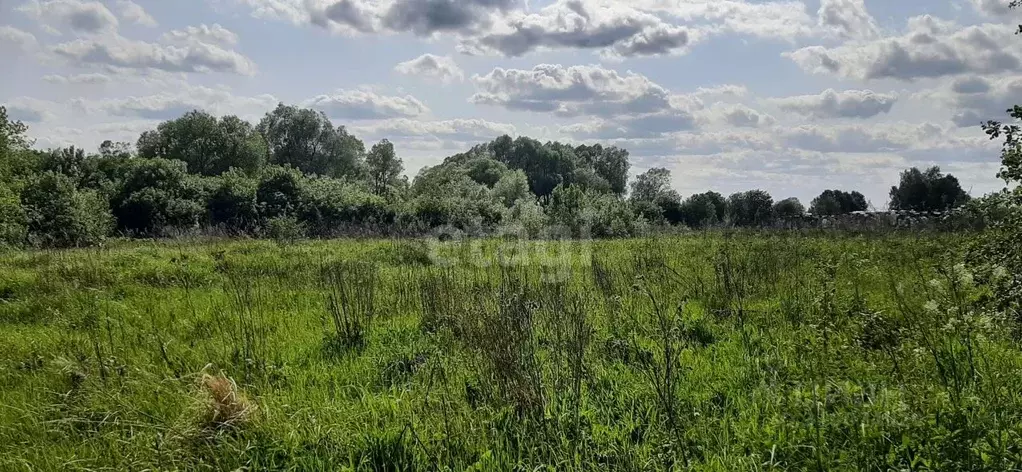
(793, 97)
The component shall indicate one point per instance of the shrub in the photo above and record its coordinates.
(59, 215)
(13, 230)
(329, 205)
(158, 195)
(232, 202)
(279, 192)
(284, 229)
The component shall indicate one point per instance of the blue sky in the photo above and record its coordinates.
(790, 96)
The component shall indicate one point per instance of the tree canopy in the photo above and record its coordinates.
(927, 191)
(838, 202)
(207, 144)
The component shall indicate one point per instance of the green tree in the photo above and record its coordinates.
(207, 144)
(838, 202)
(927, 191)
(789, 208)
(752, 208)
(652, 195)
(15, 162)
(306, 140)
(610, 163)
(384, 168)
(704, 209)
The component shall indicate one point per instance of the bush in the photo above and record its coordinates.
(59, 215)
(279, 192)
(158, 195)
(13, 230)
(284, 229)
(232, 202)
(329, 205)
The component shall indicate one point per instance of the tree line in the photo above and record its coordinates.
(295, 174)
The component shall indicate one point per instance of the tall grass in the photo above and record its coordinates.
(705, 352)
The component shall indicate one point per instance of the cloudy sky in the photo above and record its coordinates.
(785, 95)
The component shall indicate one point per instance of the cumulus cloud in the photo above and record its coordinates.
(90, 79)
(134, 13)
(420, 17)
(365, 105)
(172, 104)
(428, 65)
(974, 100)
(784, 19)
(739, 115)
(119, 53)
(995, 8)
(463, 130)
(214, 34)
(889, 137)
(80, 16)
(929, 48)
(30, 110)
(847, 19)
(571, 91)
(845, 104)
(615, 28)
(16, 39)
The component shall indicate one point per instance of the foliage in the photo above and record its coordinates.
(789, 208)
(13, 229)
(752, 208)
(384, 169)
(307, 141)
(158, 195)
(207, 144)
(838, 202)
(704, 209)
(927, 191)
(232, 202)
(60, 215)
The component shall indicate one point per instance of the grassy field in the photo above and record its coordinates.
(746, 352)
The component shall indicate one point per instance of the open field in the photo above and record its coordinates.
(748, 352)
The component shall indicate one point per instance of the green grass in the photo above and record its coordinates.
(750, 352)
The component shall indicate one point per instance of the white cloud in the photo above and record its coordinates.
(16, 39)
(614, 28)
(994, 8)
(428, 65)
(172, 104)
(974, 100)
(571, 91)
(463, 130)
(91, 79)
(847, 19)
(120, 53)
(88, 17)
(834, 104)
(929, 48)
(786, 20)
(365, 105)
(738, 115)
(214, 34)
(31, 110)
(134, 13)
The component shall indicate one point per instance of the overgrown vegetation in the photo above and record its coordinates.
(712, 352)
(296, 175)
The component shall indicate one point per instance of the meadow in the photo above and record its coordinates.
(709, 351)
